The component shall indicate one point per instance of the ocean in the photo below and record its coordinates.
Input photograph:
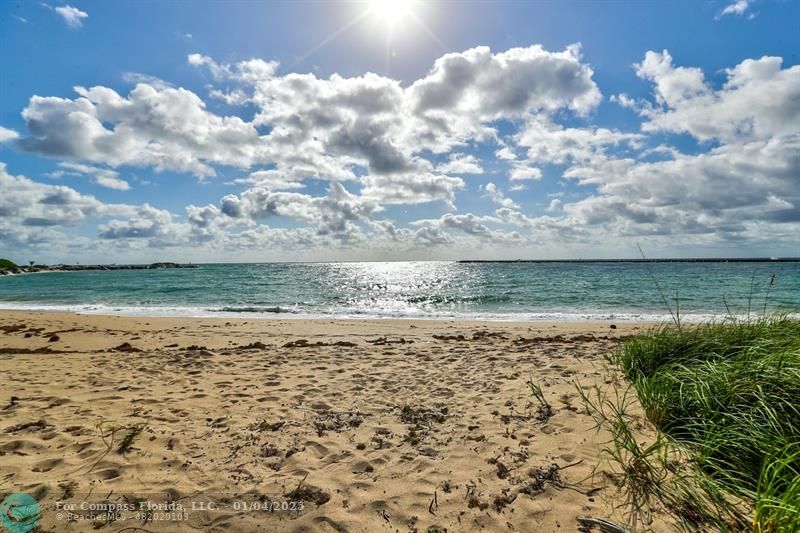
(546, 291)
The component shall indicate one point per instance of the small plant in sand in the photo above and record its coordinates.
(109, 435)
(131, 433)
(308, 493)
(543, 410)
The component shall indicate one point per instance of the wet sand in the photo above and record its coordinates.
(369, 425)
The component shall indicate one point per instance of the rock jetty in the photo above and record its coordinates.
(19, 269)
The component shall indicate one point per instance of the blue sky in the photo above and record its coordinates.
(579, 129)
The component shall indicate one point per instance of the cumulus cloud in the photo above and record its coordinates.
(715, 191)
(742, 188)
(505, 85)
(469, 225)
(368, 129)
(554, 205)
(497, 196)
(147, 223)
(333, 214)
(274, 180)
(522, 170)
(547, 142)
(7, 135)
(102, 176)
(759, 100)
(73, 16)
(252, 70)
(167, 129)
(31, 211)
(378, 143)
(412, 188)
(458, 163)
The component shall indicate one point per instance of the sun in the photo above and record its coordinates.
(391, 12)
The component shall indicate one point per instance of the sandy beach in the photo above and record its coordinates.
(335, 425)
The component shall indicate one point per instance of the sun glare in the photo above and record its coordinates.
(391, 12)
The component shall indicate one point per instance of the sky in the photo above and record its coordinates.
(398, 129)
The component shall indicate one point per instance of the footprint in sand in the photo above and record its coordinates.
(109, 473)
(47, 465)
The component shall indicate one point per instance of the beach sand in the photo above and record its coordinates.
(374, 425)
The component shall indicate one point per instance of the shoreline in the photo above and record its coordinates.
(137, 320)
(279, 313)
(374, 425)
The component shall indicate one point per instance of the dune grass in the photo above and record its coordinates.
(725, 400)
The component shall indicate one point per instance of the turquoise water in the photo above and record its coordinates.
(512, 291)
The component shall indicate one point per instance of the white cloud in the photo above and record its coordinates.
(380, 143)
(673, 85)
(412, 188)
(497, 196)
(7, 135)
(102, 176)
(624, 101)
(510, 84)
(547, 142)
(759, 100)
(273, 180)
(167, 129)
(739, 7)
(554, 205)
(136, 78)
(722, 192)
(461, 164)
(147, 223)
(334, 214)
(32, 212)
(521, 170)
(366, 128)
(73, 16)
(505, 153)
(468, 224)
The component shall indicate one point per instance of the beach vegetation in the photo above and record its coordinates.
(723, 400)
(6, 264)
(543, 409)
(131, 433)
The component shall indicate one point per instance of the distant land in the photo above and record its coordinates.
(9, 267)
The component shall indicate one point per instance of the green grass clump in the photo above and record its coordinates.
(730, 393)
(5, 264)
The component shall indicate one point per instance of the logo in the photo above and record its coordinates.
(19, 513)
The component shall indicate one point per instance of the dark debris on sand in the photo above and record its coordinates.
(423, 416)
(539, 477)
(258, 345)
(309, 493)
(125, 347)
(303, 343)
(337, 421)
(382, 341)
(263, 425)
